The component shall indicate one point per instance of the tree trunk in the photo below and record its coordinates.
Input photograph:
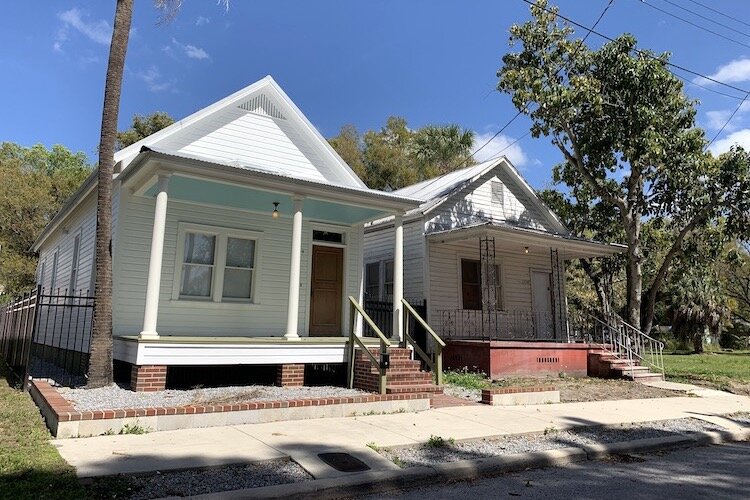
(602, 292)
(100, 360)
(634, 269)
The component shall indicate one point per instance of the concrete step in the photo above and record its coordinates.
(628, 368)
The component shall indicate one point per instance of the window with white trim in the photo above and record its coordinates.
(74, 264)
(217, 264)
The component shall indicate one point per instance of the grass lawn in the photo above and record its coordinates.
(722, 370)
(30, 467)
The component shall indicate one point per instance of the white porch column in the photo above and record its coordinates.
(292, 316)
(398, 279)
(155, 260)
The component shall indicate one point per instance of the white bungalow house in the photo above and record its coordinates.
(488, 257)
(237, 240)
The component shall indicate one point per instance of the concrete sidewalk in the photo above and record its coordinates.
(302, 440)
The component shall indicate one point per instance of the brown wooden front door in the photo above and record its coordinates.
(327, 279)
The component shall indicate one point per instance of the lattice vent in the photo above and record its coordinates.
(546, 359)
(262, 105)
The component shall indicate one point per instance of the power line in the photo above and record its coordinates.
(639, 51)
(736, 110)
(496, 134)
(708, 7)
(696, 25)
(698, 14)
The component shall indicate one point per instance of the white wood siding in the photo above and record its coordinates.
(267, 317)
(379, 246)
(255, 140)
(474, 204)
(445, 282)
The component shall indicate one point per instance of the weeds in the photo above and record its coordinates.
(467, 379)
(134, 428)
(440, 442)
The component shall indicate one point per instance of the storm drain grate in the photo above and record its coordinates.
(343, 462)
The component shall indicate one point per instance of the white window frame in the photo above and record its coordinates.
(500, 274)
(53, 278)
(75, 262)
(220, 258)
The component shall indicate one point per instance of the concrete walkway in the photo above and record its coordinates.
(302, 440)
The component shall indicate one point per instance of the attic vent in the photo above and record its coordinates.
(262, 105)
(497, 192)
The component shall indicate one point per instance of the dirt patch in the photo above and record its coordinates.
(574, 390)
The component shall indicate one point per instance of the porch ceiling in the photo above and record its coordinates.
(569, 247)
(204, 191)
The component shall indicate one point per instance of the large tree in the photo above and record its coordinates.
(34, 183)
(396, 156)
(627, 135)
(142, 127)
(100, 365)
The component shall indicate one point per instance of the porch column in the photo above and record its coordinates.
(398, 279)
(155, 260)
(292, 315)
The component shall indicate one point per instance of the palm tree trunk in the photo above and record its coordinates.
(100, 360)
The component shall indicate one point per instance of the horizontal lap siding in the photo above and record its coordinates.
(379, 246)
(267, 318)
(515, 270)
(474, 204)
(254, 139)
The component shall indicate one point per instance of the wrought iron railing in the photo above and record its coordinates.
(355, 309)
(436, 362)
(467, 324)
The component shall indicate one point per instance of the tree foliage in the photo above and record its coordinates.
(34, 184)
(627, 135)
(396, 156)
(142, 127)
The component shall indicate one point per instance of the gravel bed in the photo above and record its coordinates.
(115, 397)
(202, 481)
(549, 440)
(742, 418)
(461, 392)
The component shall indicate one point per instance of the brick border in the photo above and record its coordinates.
(64, 411)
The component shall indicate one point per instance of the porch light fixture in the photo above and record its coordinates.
(275, 213)
(525, 249)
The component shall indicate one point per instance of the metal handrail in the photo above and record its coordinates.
(436, 365)
(355, 308)
(632, 343)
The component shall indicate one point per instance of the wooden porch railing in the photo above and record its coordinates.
(356, 308)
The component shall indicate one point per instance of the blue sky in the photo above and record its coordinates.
(354, 61)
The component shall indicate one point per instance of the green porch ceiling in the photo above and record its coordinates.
(257, 200)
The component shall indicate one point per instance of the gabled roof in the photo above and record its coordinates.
(262, 97)
(437, 191)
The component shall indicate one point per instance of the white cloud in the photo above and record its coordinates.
(191, 51)
(98, 31)
(741, 137)
(717, 119)
(153, 79)
(202, 21)
(732, 72)
(497, 147)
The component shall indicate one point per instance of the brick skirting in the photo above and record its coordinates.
(148, 378)
(290, 375)
(52, 404)
(515, 395)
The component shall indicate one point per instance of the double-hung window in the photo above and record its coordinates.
(217, 264)
(372, 281)
(472, 287)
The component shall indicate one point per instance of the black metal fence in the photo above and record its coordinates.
(381, 313)
(48, 335)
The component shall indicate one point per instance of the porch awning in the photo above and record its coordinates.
(204, 181)
(570, 247)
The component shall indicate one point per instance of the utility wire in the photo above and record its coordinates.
(696, 25)
(639, 51)
(502, 129)
(708, 7)
(736, 110)
(698, 14)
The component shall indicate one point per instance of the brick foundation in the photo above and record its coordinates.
(290, 375)
(148, 378)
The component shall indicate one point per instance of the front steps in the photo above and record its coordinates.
(404, 375)
(604, 364)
